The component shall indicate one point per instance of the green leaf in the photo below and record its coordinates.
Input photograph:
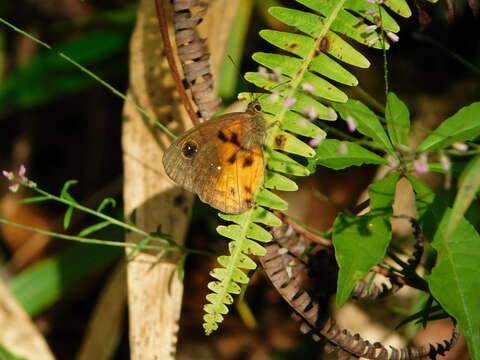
(276, 181)
(326, 66)
(105, 202)
(361, 241)
(327, 154)
(367, 122)
(297, 124)
(233, 232)
(34, 199)
(362, 8)
(312, 25)
(293, 145)
(462, 126)
(468, 187)
(280, 162)
(382, 193)
(323, 89)
(305, 101)
(261, 215)
(93, 228)
(455, 279)
(297, 44)
(258, 233)
(41, 285)
(64, 194)
(398, 120)
(286, 65)
(269, 199)
(67, 217)
(400, 7)
(345, 22)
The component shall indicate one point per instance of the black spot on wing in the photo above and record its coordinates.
(232, 158)
(234, 139)
(221, 135)
(247, 162)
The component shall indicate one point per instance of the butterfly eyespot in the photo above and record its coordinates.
(189, 149)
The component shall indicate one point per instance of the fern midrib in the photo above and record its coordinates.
(296, 82)
(232, 264)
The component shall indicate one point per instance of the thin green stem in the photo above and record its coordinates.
(78, 238)
(95, 77)
(384, 51)
(95, 213)
(369, 99)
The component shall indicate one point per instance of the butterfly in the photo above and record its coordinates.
(221, 160)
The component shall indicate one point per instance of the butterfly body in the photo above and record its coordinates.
(221, 160)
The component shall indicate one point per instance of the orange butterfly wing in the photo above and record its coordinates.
(220, 160)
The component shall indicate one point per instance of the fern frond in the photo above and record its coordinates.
(300, 81)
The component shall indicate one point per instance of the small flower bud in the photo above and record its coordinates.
(310, 112)
(8, 174)
(394, 37)
(14, 187)
(289, 102)
(351, 124)
(342, 149)
(460, 146)
(306, 86)
(314, 142)
(274, 96)
(445, 162)
(421, 164)
(373, 40)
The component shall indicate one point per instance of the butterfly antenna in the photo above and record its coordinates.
(245, 83)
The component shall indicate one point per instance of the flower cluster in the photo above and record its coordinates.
(18, 179)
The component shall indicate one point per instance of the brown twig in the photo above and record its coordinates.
(162, 20)
(299, 229)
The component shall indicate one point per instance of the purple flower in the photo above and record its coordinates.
(373, 40)
(14, 187)
(289, 101)
(332, 115)
(274, 96)
(275, 75)
(18, 179)
(21, 173)
(303, 122)
(314, 142)
(351, 124)
(306, 86)
(370, 28)
(445, 162)
(371, 12)
(342, 149)
(262, 72)
(394, 37)
(8, 174)
(310, 112)
(394, 163)
(421, 164)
